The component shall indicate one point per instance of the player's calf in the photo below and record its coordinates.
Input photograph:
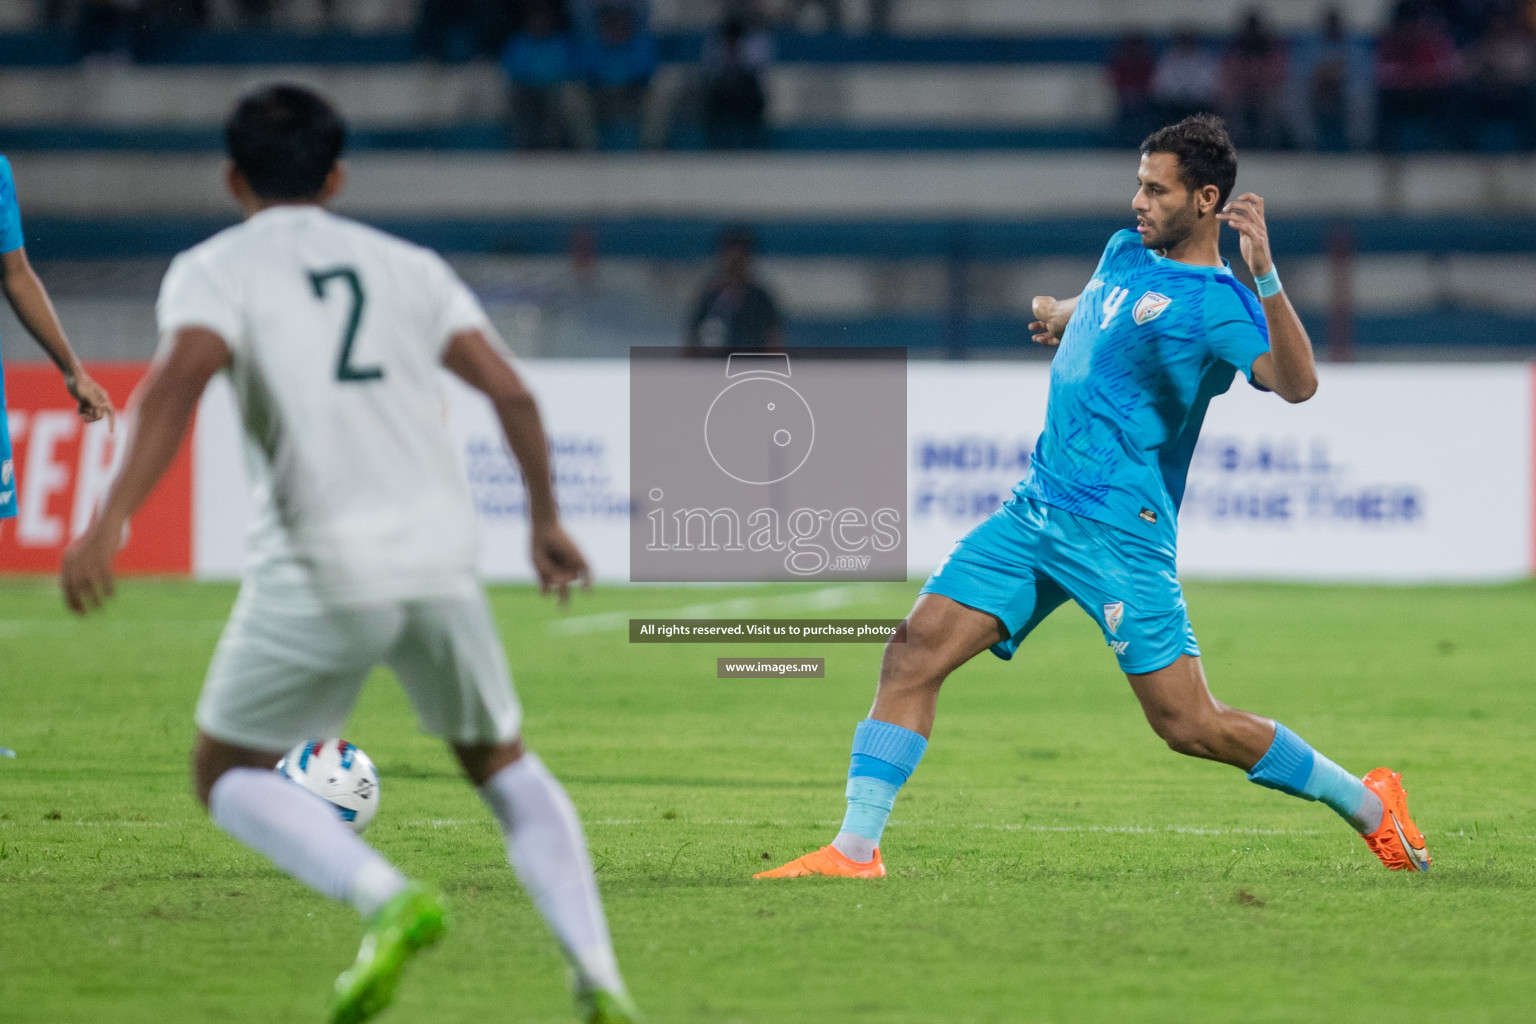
(938, 636)
(1181, 710)
(548, 852)
(211, 758)
(303, 836)
(1218, 733)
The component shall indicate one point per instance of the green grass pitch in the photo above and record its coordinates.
(1050, 861)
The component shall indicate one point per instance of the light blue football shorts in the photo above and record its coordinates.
(1028, 558)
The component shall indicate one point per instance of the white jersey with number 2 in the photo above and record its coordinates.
(337, 332)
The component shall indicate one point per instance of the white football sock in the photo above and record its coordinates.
(302, 835)
(549, 854)
(857, 848)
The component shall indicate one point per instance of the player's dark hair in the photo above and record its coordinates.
(284, 139)
(1205, 151)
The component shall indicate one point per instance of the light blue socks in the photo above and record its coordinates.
(1295, 768)
(884, 757)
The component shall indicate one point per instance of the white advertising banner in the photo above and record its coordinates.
(1393, 473)
(585, 408)
(971, 430)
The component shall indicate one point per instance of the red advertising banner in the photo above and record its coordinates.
(62, 470)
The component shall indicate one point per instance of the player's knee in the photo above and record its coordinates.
(211, 758)
(204, 775)
(1194, 735)
(911, 660)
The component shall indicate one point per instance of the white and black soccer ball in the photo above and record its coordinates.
(338, 773)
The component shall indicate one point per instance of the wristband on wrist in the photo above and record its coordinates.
(1268, 283)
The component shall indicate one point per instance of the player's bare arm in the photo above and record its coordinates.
(556, 558)
(1288, 368)
(1051, 317)
(29, 299)
(161, 411)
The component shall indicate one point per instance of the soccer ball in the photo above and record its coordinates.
(338, 773)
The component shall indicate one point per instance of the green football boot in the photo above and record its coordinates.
(414, 920)
(598, 1006)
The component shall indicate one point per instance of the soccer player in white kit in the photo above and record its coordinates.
(363, 547)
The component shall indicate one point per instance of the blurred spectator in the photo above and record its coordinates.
(1331, 86)
(597, 307)
(540, 63)
(1185, 80)
(1417, 72)
(454, 31)
(448, 30)
(1131, 65)
(105, 27)
(141, 29)
(831, 14)
(254, 13)
(1464, 20)
(584, 14)
(1253, 80)
(880, 12)
(734, 311)
(618, 61)
(734, 100)
(1502, 84)
(162, 24)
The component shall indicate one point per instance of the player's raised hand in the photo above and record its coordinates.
(1050, 321)
(86, 575)
(1245, 214)
(559, 563)
(91, 398)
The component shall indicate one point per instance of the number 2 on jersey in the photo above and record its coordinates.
(345, 371)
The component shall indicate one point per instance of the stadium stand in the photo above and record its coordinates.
(923, 182)
(967, 76)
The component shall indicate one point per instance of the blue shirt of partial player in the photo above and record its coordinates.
(10, 240)
(1151, 342)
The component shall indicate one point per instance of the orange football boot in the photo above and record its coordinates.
(1398, 842)
(828, 860)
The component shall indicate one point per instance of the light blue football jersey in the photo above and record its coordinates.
(10, 239)
(1151, 342)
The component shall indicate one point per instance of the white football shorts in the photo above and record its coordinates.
(287, 670)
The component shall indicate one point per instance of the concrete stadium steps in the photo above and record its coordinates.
(421, 95)
(1039, 16)
(135, 96)
(799, 187)
(843, 287)
(976, 17)
(1409, 299)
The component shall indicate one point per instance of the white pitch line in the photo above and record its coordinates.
(65, 627)
(1193, 830)
(822, 599)
(1186, 830)
(98, 824)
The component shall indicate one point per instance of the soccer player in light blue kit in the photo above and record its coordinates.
(29, 301)
(1160, 329)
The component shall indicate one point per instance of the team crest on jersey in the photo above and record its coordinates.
(1149, 307)
(1114, 614)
